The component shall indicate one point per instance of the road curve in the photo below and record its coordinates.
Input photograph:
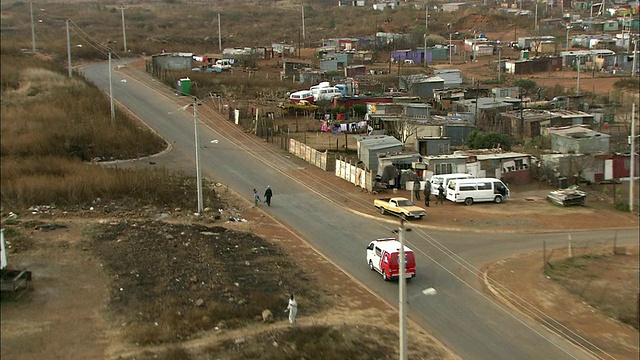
(462, 316)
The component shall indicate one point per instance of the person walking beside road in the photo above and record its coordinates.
(292, 309)
(440, 194)
(416, 189)
(267, 195)
(256, 197)
(427, 193)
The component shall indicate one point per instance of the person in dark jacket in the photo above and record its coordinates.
(440, 194)
(427, 193)
(267, 195)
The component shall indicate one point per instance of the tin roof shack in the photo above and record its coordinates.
(417, 56)
(167, 61)
(329, 64)
(614, 166)
(293, 68)
(557, 168)
(425, 88)
(355, 70)
(446, 164)
(578, 140)
(369, 146)
(484, 111)
(533, 65)
(434, 145)
(403, 161)
(450, 76)
(530, 123)
(533, 41)
(525, 124)
(444, 98)
(511, 167)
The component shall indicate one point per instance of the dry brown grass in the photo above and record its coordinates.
(52, 126)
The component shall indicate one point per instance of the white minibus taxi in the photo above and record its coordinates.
(477, 190)
(444, 179)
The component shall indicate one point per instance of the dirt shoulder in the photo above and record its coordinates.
(521, 283)
(123, 286)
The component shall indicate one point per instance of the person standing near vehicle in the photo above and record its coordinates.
(267, 195)
(440, 194)
(427, 193)
(292, 309)
(416, 189)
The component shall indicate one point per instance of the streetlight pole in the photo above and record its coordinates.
(632, 144)
(568, 28)
(124, 32)
(198, 171)
(578, 64)
(402, 296)
(450, 49)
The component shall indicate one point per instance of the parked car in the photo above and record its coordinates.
(399, 206)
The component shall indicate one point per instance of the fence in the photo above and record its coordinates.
(354, 174)
(311, 155)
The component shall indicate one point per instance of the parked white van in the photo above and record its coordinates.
(444, 179)
(469, 191)
(325, 93)
(298, 96)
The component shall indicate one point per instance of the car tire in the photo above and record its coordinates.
(382, 211)
(468, 201)
(498, 199)
(371, 265)
(384, 275)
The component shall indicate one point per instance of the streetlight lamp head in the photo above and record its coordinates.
(214, 141)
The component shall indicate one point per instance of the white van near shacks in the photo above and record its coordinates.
(469, 191)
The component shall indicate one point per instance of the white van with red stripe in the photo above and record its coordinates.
(383, 255)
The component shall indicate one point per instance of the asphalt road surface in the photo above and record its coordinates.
(461, 316)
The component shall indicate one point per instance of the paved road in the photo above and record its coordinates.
(460, 315)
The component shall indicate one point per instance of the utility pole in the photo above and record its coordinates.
(69, 50)
(450, 49)
(402, 295)
(567, 47)
(499, 64)
(578, 64)
(535, 26)
(33, 29)
(426, 17)
(113, 109)
(632, 167)
(426, 30)
(635, 59)
(425, 50)
(303, 37)
(198, 171)
(219, 35)
(124, 32)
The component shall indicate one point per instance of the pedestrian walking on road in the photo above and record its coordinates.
(267, 195)
(427, 193)
(416, 189)
(292, 309)
(256, 197)
(440, 194)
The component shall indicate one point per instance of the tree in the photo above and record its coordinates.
(526, 85)
(487, 140)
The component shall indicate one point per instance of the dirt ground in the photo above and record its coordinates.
(101, 282)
